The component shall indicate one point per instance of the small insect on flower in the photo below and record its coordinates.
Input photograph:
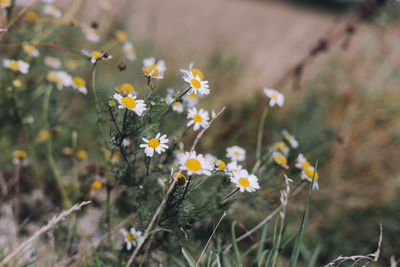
(130, 102)
(276, 98)
(245, 181)
(30, 50)
(52, 62)
(132, 238)
(79, 84)
(280, 159)
(290, 139)
(281, 147)
(96, 55)
(130, 51)
(307, 174)
(195, 78)
(194, 164)
(52, 11)
(198, 118)
(16, 65)
(236, 153)
(153, 68)
(302, 162)
(20, 157)
(157, 144)
(61, 78)
(181, 178)
(5, 3)
(90, 34)
(81, 154)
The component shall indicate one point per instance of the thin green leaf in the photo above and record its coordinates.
(296, 250)
(314, 256)
(235, 246)
(188, 257)
(259, 258)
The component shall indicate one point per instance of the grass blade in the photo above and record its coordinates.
(235, 246)
(296, 250)
(188, 257)
(260, 255)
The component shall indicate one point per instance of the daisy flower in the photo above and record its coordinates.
(130, 102)
(170, 98)
(190, 100)
(236, 153)
(132, 238)
(16, 65)
(43, 135)
(197, 85)
(121, 36)
(125, 142)
(290, 139)
(307, 174)
(127, 88)
(5, 3)
(245, 181)
(210, 158)
(19, 157)
(302, 162)
(90, 34)
(219, 164)
(52, 11)
(157, 144)
(233, 167)
(81, 154)
(194, 164)
(281, 147)
(153, 68)
(61, 78)
(30, 50)
(79, 84)
(280, 159)
(181, 178)
(97, 184)
(52, 62)
(197, 118)
(130, 51)
(194, 72)
(276, 98)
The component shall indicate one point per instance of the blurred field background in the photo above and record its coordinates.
(343, 107)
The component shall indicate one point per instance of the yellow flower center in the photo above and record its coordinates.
(14, 65)
(132, 50)
(44, 135)
(310, 173)
(153, 143)
(196, 72)
(5, 2)
(82, 154)
(151, 70)
(288, 137)
(97, 184)
(244, 182)
(193, 165)
(219, 164)
(31, 16)
(20, 154)
(129, 102)
(96, 54)
(280, 146)
(192, 95)
(197, 118)
(274, 96)
(131, 237)
(17, 83)
(29, 47)
(121, 36)
(79, 82)
(52, 77)
(281, 160)
(306, 165)
(181, 178)
(195, 83)
(127, 88)
(236, 153)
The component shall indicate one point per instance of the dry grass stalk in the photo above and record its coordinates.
(52, 223)
(372, 257)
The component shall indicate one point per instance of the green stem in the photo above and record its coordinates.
(259, 139)
(50, 159)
